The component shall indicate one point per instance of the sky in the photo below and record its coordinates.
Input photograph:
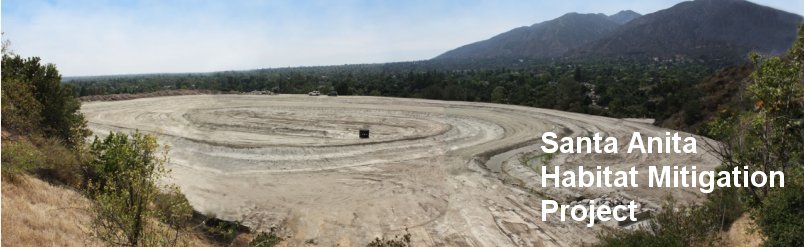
(152, 36)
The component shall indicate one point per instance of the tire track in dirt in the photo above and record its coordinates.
(437, 168)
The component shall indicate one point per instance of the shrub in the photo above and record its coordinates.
(125, 189)
(62, 163)
(265, 239)
(47, 157)
(222, 231)
(19, 156)
(397, 241)
(674, 225)
(173, 208)
(724, 205)
(781, 216)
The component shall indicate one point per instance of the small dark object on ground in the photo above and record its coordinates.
(332, 93)
(364, 133)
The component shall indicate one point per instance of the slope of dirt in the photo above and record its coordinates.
(448, 172)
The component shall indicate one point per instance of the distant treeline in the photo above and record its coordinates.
(618, 88)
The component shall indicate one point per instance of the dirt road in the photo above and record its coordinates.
(451, 173)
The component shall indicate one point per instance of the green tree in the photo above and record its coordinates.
(343, 88)
(124, 183)
(499, 95)
(769, 137)
(54, 105)
(21, 111)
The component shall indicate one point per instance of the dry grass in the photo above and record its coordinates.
(36, 213)
(740, 234)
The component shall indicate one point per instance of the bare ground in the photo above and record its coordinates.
(448, 172)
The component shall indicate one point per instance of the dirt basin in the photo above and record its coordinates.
(445, 171)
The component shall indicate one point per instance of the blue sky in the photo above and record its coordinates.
(152, 36)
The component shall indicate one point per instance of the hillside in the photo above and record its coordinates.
(721, 92)
(36, 213)
(702, 28)
(542, 40)
(709, 29)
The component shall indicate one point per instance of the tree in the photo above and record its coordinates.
(572, 96)
(20, 108)
(54, 107)
(769, 137)
(498, 95)
(342, 88)
(124, 183)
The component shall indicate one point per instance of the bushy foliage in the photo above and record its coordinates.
(498, 95)
(781, 217)
(47, 157)
(34, 100)
(770, 137)
(124, 185)
(21, 111)
(265, 239)
(19, 156)
(724, 207)
(172, 207)
(222, 231)
(397, 241)
(674, 225)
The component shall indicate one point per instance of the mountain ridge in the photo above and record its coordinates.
(710, 29)
(541, 40)
(624, 16)
(701, 28)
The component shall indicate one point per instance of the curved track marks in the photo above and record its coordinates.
(297, 161)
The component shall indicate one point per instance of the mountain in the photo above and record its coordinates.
(542, 40)
(701, 28)
(624, 16)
